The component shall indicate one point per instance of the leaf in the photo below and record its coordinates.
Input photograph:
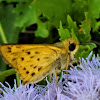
(63, 33)
(95, 25)
(7, 29)
(10, 1)
(42, 31)
(55, 10)
(27, 14)
(84, 50)
(94, 8)
(72, 25)
(78, 9)
(6, 73)
(73, 35)
(7, 20)
(86, 27)
(84, 34)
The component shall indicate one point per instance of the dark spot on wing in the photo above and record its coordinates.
(17, 46)
(27, 72)
(31, 65)
(13, 53)
(28, 52)
(24, 68)
(9, 50)
(32, 57)
(34, 67)
(45, 57)
(13, 59)
(38, 59)
(9, 47)
(33, 74)
(22, 58)
(37, 52)
(39, 68)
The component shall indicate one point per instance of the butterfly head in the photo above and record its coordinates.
(72, 46)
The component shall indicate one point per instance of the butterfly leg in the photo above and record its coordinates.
(56, 77)
(55, 73)
(50, 76)
(68, 60)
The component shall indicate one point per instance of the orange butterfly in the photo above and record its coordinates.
(33, 62)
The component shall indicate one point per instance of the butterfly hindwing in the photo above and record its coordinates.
(32, 63)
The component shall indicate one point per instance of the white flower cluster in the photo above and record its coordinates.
(81, 84)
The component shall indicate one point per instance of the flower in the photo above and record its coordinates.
(79, 84)
(84, 84)
(25, 92)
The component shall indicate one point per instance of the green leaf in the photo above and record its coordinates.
(78, 9)
(27, 14)
(55, 10)
(95, 25)
(84, 50)
(7, 20)
(74, 36)
(2, 34)
(8, 32)
(94, 8)
(42, 30)
(63, 33)
(83, 35)
(94, 12)
(72, 25)
(6, 73)
(2, 65)
(86, 27)
(10, 1)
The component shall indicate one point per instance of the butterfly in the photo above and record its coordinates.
(33, 62)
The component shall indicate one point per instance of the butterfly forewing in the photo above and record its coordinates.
(32, 62)
(9, 55)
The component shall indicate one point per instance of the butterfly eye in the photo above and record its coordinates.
(72, 47)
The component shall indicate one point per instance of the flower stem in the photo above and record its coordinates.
(3, 34)
(18, 79)
(6, 73)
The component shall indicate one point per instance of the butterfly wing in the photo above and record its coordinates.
(32, 62)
